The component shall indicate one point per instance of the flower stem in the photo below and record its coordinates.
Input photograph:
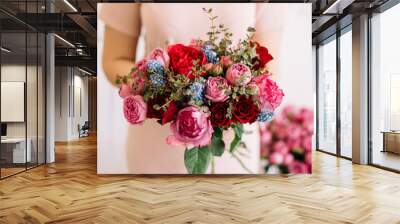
(212, 165)
(241, 163)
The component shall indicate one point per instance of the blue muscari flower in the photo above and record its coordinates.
(197, 90)
(265, 116)
(207, 47)
(155, 67)
(210, 54)
(157, 80)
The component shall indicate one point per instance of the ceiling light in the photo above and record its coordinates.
(64, 40)
(337, 7)
(5, 50)
(84, 71)
(70, 5)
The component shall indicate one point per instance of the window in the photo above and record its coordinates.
(327, 96)
(346, 93)
(385, 89)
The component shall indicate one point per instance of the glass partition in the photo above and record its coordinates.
(327, 96)
(385, 89)
(14, 155)
(22, 67)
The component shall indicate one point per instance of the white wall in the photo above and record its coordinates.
(70, 84)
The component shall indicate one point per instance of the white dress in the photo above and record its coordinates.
(155, 24)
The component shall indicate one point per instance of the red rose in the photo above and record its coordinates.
(153, 113)
(162, 116)
(218, 115)
(170, 113)
(182, 58)
(245, 110)
(263, 56)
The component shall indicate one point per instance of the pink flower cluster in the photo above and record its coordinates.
(286, 141)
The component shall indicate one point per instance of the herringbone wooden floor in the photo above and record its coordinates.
(70, 191)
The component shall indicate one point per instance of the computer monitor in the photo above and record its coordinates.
(3, 129)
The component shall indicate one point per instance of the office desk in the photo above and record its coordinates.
(13, 150)
(391, 141)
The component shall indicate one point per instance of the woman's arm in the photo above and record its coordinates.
(118, 54)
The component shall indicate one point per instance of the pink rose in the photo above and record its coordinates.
(270, 95)
(288, 159)
(307, 143)
(216, 69)
(295, 144)
(217, 88)
(161, 56)
(281, 147)
(308, 158)
(306, 117)
(298, 167)
(141, 66)
(192, 127)
(208, 67)
(266, 136)
(125, 90)
(135, 109)
(238, 74)
(276, 158)
(294, 131)
(139, 77)
(226, 61)
(280, 130)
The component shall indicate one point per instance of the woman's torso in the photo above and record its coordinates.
(179, 23)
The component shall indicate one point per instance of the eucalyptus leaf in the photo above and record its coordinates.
(197, 159)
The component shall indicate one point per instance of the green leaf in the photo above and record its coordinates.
(197, 159)
(217, 132)
(234, 144)
(238, 129)
(217, 146)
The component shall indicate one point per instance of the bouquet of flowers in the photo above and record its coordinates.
(286, 141)
(202, 89)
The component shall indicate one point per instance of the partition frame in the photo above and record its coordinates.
(334, 37)
(382, 8)
(44, 94)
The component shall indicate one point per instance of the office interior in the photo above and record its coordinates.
(48, 80)
(357, 79)
(48, 98)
